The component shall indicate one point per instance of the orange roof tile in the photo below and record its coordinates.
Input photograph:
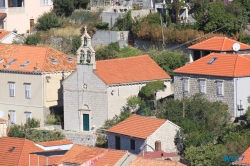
(134, 126)
(37, 56)
(56, 143)
(131, 69)
(230, 65)
(111, 157)
(2, 120)
(139, 161)
(246, 159)
(19, 156)
(3, 15)
(3, 33)
(79, 154)
(218, 44)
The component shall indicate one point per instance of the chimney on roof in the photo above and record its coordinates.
(157, 145)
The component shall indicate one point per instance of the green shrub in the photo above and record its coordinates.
(76, 43)
(47, 21)
(102, 25)
(33, 123)
(33, 39)
(51, 119)
(17, 131)
(43, 135)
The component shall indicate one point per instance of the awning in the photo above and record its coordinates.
(2, 15)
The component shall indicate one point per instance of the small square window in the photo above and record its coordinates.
(132, 144)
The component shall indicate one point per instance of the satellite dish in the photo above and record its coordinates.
(1, 113)
(236, 47)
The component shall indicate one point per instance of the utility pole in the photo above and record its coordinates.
(183, 104)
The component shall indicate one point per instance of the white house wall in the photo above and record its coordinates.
(118, 98)
(19, 103)
(166, 134)
(241, 94)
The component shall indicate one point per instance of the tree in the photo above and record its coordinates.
(134, 103)
(64, 7)
(76, 43)
(169, 61)
(47, 21)
(148, 92)
(176, 6)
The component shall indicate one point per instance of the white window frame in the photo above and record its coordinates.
(47, 2)
(12, 89)
(220, 88)
(185, 84)
(28, 115)
(12, 114)
(27, 91)
(203, 85)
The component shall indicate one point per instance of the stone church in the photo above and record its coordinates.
(98, 90)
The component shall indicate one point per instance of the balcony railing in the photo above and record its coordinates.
(14, 10)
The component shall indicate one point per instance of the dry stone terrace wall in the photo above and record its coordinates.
(211, 88)
(82, 138)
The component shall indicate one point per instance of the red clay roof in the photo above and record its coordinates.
(111, 158)
(230, 65)
(134, 126)
(19, 156)
(3, 15)
(158, 154)
(140, 161)
(3, 33)
(132, 69)
(246, 158)
(218, 44)
(2, 120)
(37, 56)
(79, 154)
(56, 143)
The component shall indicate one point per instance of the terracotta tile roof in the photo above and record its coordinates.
(37, 56)
(132, 69)
(218, 44)
(139, 161)
(2, 120)
(246, 159)
(3, 15)
(56, 143)
(111, 158)
(158, 154)
(134, 126)
(230, 65)
(79, 154)
(3, 33)
(19, 156)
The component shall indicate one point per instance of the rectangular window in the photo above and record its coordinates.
(117, 143)
(47, 2)
(202, 86)
(220, 88)
(12, 89)
(27, 91)
(12, 114)
(132, 144)
(28, 116)
(185, 84)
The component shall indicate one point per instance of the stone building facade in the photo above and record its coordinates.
(98, 90)
(211, 88)
(166, 133)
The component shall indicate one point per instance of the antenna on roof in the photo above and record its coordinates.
(236, 47)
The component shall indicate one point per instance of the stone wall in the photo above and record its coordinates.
(82, 138)
(166, 134)
(211, 88)
(90, 100)
(125, 142)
